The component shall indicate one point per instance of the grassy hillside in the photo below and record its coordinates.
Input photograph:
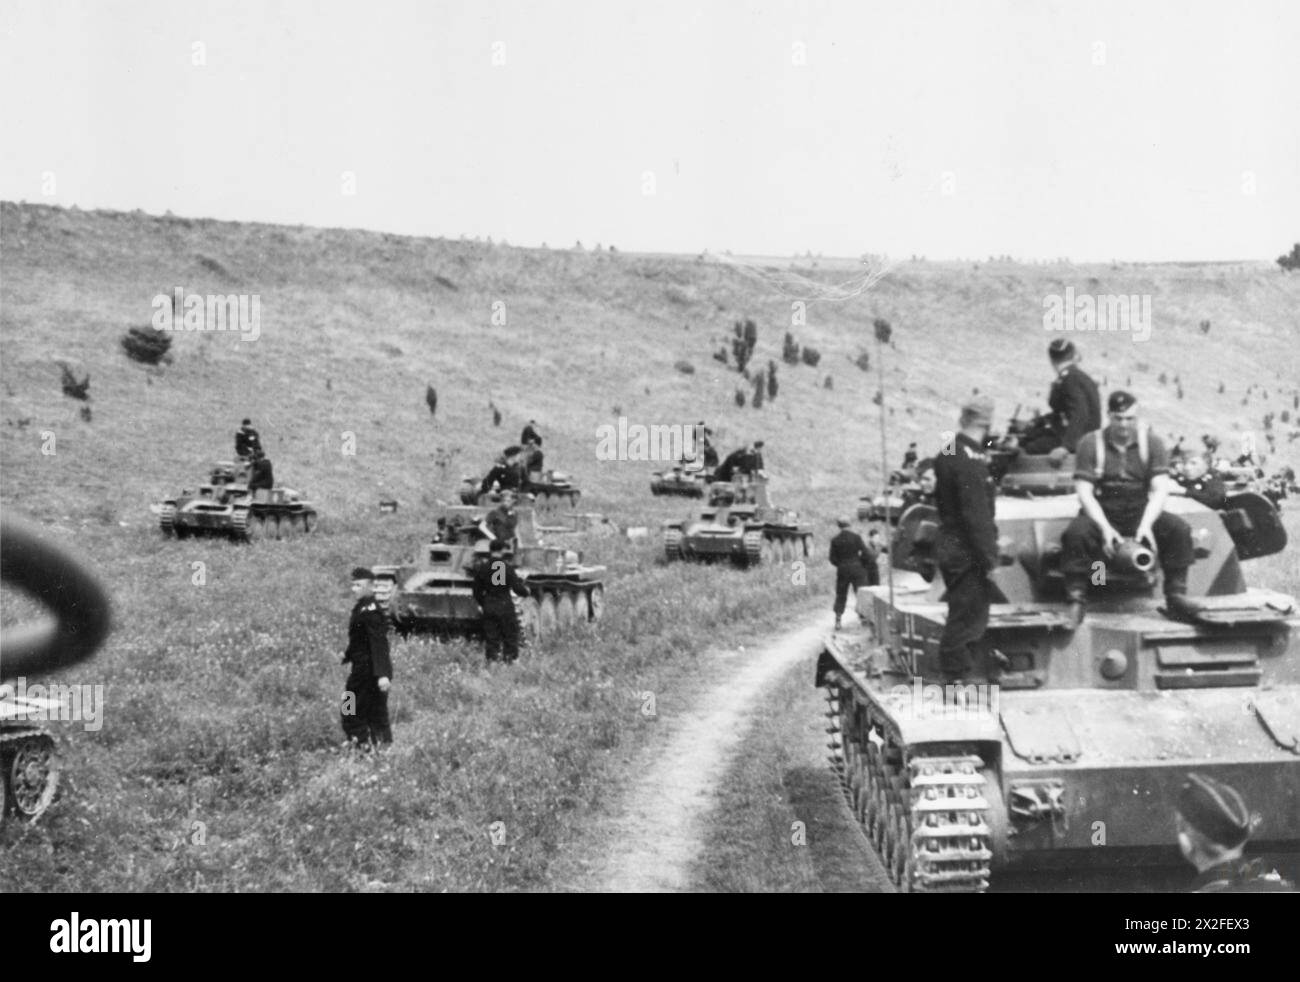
(221, 696)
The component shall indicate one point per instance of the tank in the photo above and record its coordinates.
(1082, 738)
(225, 507)
(29, 758)
(682, 482)
(549, 489)
(435, 595)
(739, 525)
(892, 501)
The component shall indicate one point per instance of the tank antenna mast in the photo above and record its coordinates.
(883, 332)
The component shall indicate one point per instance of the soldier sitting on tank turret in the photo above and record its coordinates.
(922, 492)
(1122, 479)
(1213, 829)
(1196, 482)
(506, 474)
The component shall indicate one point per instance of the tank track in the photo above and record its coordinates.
(926, 817)
(753, 542)
(29, 803)
(167, 519)
(672, 544)
(239, 525)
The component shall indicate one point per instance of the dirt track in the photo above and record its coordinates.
(657, 838)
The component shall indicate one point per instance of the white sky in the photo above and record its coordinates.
(1147, 155)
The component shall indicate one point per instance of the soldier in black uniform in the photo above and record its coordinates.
(246, 440)
(909, 458)
(709, 453)
(1197, 483)
(855, 566)
(530, 434)
(1213, 828)
(1074, 399)
(260, 475)
(747, 461)
(506, 473)
(502, 520)
(365, 699)
(495, 580)
(1123, 495)
(967, 548)
(923, 492)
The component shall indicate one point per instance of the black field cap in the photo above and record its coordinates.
(1215, 810)
(1120, 401)
(361, 573)
(1061, 348)
(512, 450)
(247, 422)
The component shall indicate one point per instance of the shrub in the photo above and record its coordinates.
(810, 356)
(863, 361)
(771, 381)
(740, 398)
(757, 401)
(144, 344)
(829, 383)
(684, 366)
(790, 350)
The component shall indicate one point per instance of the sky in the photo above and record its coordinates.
(1154, 130)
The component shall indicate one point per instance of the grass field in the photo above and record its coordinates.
(217, 765)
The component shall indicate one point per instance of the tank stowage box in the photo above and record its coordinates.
(1074, 728)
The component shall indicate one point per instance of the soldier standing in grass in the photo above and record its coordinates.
(495, 580)
(365, 699)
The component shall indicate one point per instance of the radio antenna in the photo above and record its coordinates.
(883, 333)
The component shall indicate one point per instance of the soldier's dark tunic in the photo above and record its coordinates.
(505, 476)
(1076, 405)
(1122, 492)
(246, 441)
(967, 550)
(502, 523)
(369, 655)
(1208, 490)
(742, 461)
(261, 476)
(1241, 876)
(530, 435)
(495, 580)
(855, 566)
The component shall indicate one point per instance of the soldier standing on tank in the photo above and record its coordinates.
(1213, 828)
(909, 458)
(923, 492)
(506, 474)
(495, 580)
(246, 440)
(855, 566)
(967, 548)
(365, 699)
(502, 521)
(1122, 490)
(1073, 399)
(260, 476)
(530, 434)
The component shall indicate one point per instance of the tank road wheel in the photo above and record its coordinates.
(754, 553)
(167, 519)
(547, 616)
(672, 544)
(770, 554)
(239, 525)
(308, 521)
(596, 602)
(567, 611)
(33, 776)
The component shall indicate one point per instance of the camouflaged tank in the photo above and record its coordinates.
(1073, 756)
(739, 525)
(225, 507)
(435, 595)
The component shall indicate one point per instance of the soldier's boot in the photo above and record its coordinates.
(1076, 596)
(1176, 602)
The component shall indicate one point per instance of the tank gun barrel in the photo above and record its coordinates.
(1133, 557)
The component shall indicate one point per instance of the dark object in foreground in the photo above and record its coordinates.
(147, 345)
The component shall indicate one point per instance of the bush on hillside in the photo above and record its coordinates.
(146, 345)
(810, 356)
